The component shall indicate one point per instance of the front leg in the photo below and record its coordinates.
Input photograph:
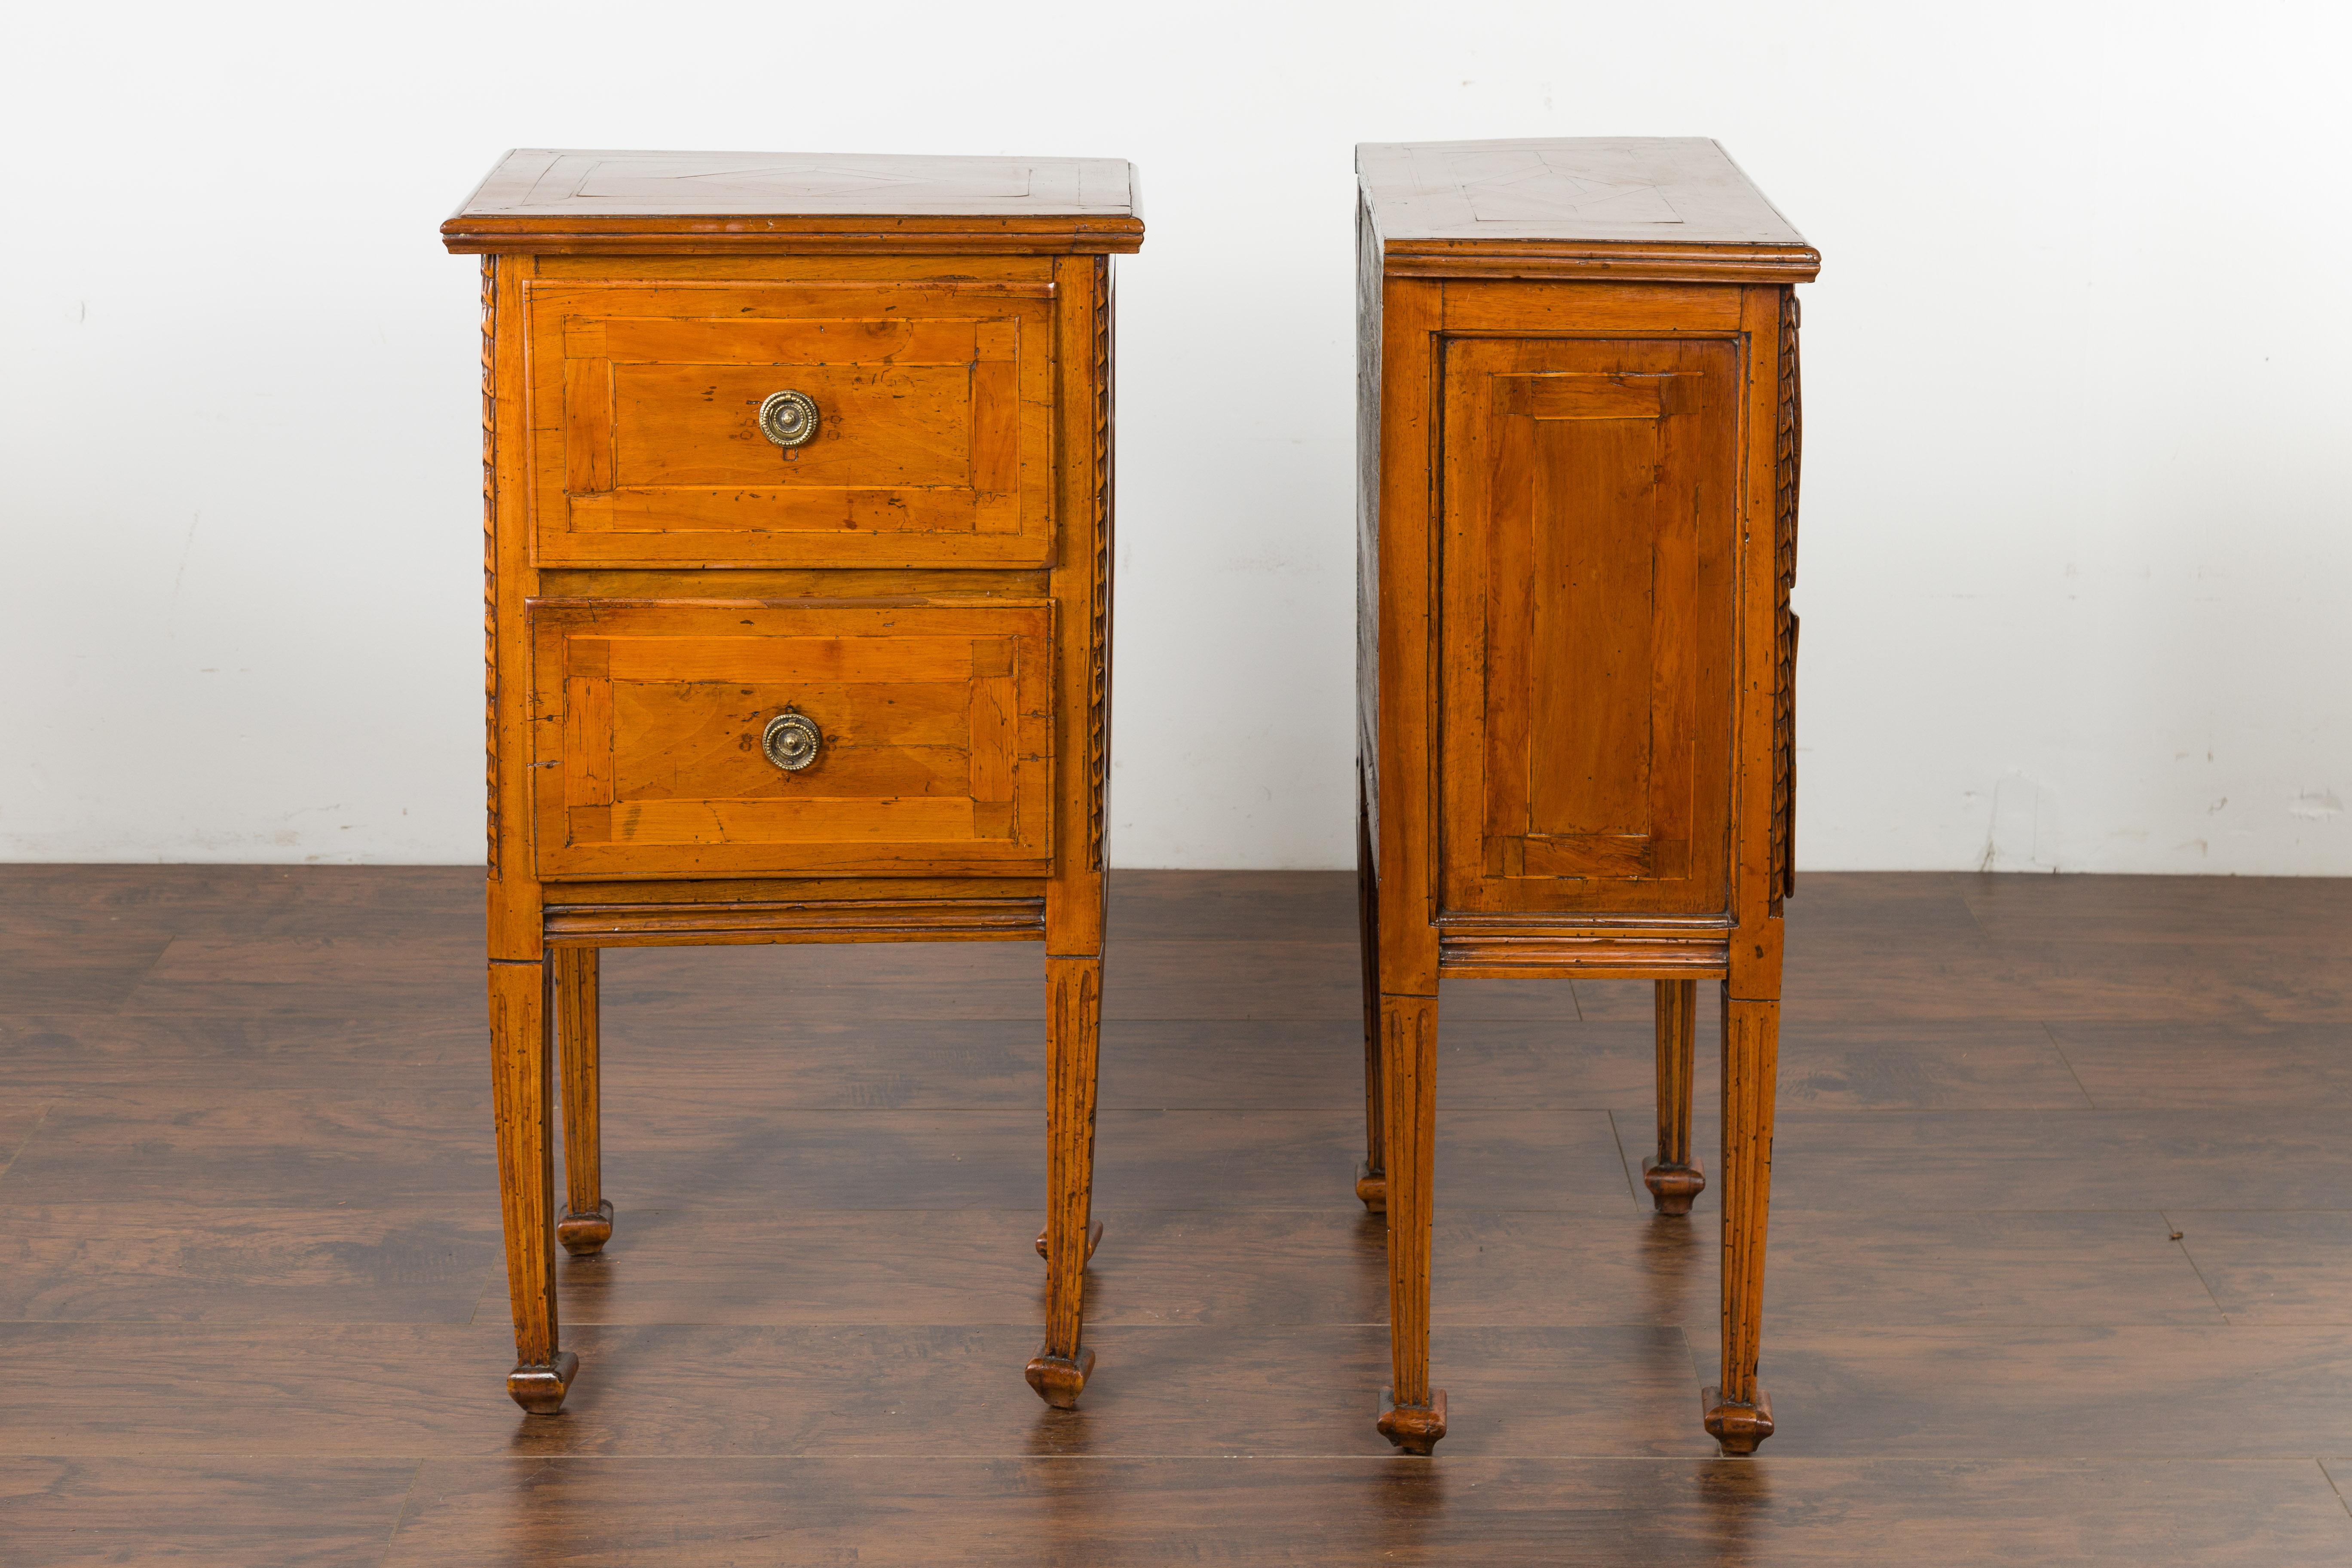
(1737, 1412)
(587, 1222)
(1413, 1414)
(518, 1096)
(1073, 1034)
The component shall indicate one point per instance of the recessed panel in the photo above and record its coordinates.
(922, 436)
(1590, 534)
(926, 744)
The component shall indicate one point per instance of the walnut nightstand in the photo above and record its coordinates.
(797, 485)
(1578, 439)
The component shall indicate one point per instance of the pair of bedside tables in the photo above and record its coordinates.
(797, 483)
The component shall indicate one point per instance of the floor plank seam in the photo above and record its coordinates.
(122, 1008)
(2180, 1239)
(2068, 1062)
(2330, 1476)
(40, 1119)
(400, 1514)
(1617, 1135)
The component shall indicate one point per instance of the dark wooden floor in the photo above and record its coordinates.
(251, 1310)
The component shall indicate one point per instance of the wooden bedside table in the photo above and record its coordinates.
(797, 485)
(1578, 445)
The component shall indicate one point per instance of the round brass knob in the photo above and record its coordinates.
(789, 419)
(790, 741)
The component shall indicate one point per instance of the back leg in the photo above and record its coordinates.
(587, 1222)
(1674, 1177)
(1371, 1175)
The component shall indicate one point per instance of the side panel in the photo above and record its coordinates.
(1591, 526)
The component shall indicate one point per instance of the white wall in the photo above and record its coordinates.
(2075, 560)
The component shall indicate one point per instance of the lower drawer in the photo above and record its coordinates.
(716, 739)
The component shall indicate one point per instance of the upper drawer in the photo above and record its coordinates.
(665, 739)
(934, 427)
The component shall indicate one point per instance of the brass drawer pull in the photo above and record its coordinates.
(790, 741)
(789, 419)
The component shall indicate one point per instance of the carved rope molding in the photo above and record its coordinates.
(1098, 685)
(1788, 450)
(490, 549)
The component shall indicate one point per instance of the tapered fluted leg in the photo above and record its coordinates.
(1372, 1176)
(1737, 1412)
(1413, 1414)
(518, 1096)
(587, 1222)
(1073, 1024)
(1672, 1176)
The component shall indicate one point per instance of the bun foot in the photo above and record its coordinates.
(1738, 1428)
(1673, 1187)
(583, 1234)
(1372, 1188)
(1057, 1379)
(540, 1390)
(1094, 1239)
(1415, 1428)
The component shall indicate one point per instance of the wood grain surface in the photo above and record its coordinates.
(254, 1272)
(847, 731)
(556, 202)
(934, 748)
(1663, 207)
(933, 445)
(1575, 647)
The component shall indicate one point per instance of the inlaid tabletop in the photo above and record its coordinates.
(546, 198)
(1660, 189)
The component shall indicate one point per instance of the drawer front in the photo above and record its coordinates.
(933, 441)
(933, 757)
(1590, 516)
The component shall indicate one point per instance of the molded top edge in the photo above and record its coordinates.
(549, 192)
